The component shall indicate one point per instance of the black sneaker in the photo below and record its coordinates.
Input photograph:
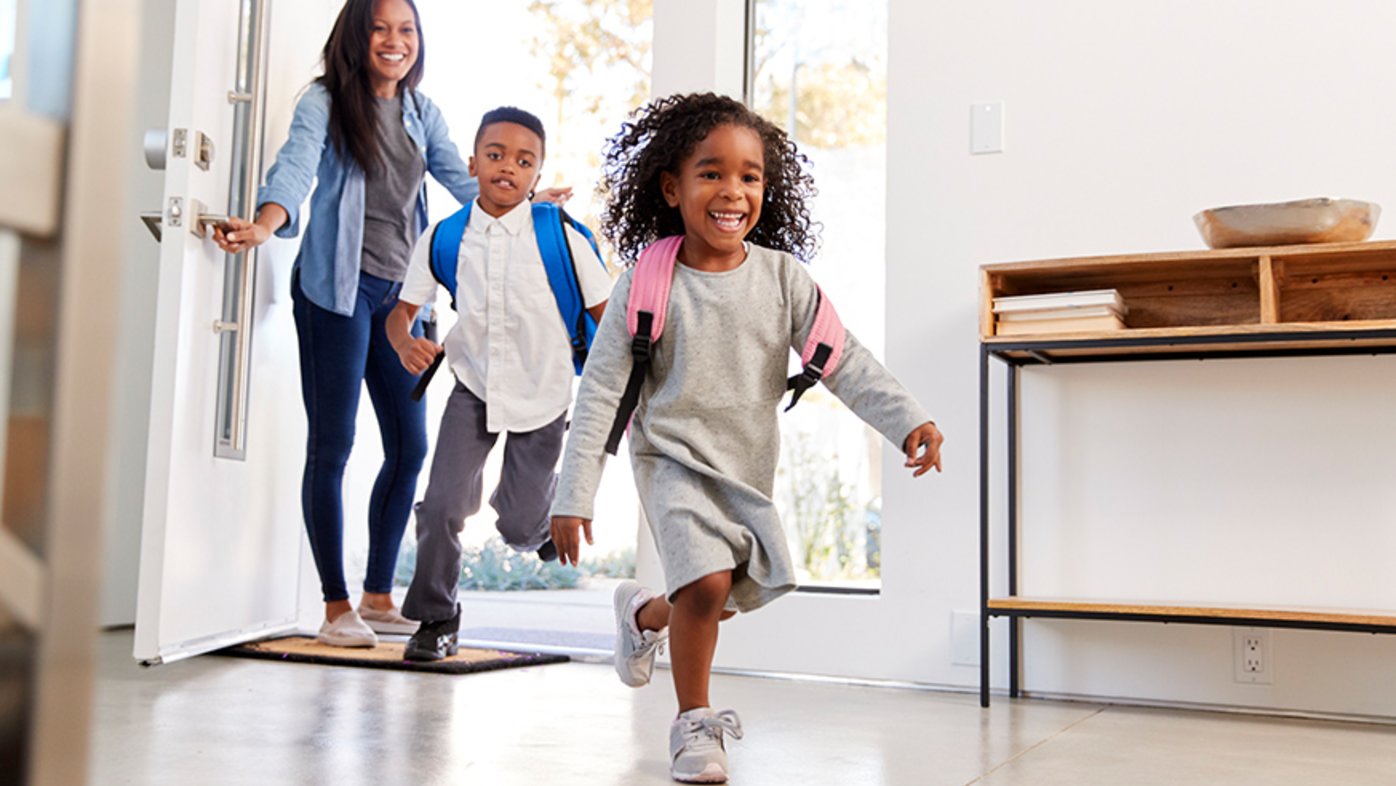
(434, 640)
(547, 552)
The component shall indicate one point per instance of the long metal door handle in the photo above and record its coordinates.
(240, 278)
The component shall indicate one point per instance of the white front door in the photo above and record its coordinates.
(221, 543)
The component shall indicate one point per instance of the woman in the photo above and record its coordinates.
(368, 137)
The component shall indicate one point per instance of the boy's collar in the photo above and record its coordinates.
(514, 222)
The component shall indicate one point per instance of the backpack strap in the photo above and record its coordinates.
(550, 227)
(646, 308)
(445, 249)
(823, 348)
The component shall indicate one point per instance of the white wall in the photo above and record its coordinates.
(1252, 481)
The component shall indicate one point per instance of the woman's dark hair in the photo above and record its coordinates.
(659, 137)
(353, 114)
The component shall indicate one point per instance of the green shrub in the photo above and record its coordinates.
(496, 567)
(616, 565)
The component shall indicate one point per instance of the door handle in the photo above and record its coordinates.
(196, 219)
(156, 142)
(152, 219)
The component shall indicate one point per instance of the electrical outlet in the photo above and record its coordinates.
(1252, 660)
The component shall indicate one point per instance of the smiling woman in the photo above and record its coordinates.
(365, 138)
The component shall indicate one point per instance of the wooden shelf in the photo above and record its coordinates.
(1214, 614)
(1251, 292)
(1291, 338)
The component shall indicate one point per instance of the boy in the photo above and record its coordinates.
(513, 362)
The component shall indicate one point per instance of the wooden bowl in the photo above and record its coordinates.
(1288, 223)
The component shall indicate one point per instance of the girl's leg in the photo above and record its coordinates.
(402, 422)
(333, 350)
(693, 619)
(654, 615)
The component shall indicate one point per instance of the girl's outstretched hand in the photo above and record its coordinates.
(565, 537)
(925, 436)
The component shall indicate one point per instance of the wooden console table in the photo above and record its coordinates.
(1332, 299)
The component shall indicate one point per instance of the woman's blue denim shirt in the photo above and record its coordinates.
(334, 239)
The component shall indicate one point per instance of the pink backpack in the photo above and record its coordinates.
(648, 304)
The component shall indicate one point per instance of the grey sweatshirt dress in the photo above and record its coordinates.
(704, 440)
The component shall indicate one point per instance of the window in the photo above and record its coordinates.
(819, 71)
(9, 17)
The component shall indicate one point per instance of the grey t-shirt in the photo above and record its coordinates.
(390, 202)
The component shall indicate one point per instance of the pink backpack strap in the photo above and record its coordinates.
(648, 304)
(649, 287)
(823, 348)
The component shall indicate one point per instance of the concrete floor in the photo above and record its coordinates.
(214, 720)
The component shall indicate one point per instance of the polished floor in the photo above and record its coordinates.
(215, 720)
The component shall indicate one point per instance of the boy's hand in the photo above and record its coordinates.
(557, 196)
(565, 537)
(925, 436)
(418, 353)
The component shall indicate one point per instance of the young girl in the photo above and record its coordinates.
(704, 439)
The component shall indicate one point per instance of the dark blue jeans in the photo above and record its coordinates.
(339, 355)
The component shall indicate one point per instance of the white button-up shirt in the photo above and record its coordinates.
(509, 346)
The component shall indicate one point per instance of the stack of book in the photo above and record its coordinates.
(1092, 311)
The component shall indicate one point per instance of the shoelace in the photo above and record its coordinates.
(652, 638)
(715, 724)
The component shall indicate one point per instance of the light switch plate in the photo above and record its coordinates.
(986, 128)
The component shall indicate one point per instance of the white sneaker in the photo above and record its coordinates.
(696, 752)
(635, 649)
(390, 621)
(347, 630)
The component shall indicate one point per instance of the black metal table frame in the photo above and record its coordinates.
(1039, 352)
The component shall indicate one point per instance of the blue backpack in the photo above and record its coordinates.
(549, 222)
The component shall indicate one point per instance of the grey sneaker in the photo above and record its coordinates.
(635, 649)
(696, 752)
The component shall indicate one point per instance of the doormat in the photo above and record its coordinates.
(387, 655)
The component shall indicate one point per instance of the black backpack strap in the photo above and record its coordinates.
(640, 364)
(810, 376)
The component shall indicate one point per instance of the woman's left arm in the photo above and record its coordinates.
(443, 159)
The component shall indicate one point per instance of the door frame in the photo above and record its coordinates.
(105, 53)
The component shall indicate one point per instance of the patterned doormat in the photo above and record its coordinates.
(387, 655)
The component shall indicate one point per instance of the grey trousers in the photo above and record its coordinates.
(522, 499)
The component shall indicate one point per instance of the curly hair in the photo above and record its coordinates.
(659, 137)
